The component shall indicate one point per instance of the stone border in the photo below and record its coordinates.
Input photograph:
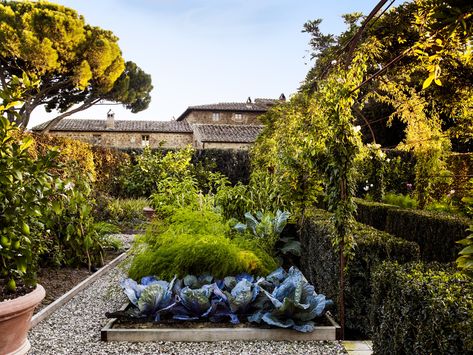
(108, 333)
(61, 301)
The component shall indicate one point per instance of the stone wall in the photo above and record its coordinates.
(130, 139)
(205, 117)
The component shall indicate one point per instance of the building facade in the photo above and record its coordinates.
(222, 125)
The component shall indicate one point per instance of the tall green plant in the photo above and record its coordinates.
(73, 239)
(25, 188)
(291, 151)
(142, 178)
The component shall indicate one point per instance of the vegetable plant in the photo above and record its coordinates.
(195, 242)
(282, 299)
(266, 229)
(293, 303)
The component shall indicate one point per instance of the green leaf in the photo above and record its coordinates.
(27, 142)
(467, 251)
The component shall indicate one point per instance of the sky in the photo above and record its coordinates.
(208, 51)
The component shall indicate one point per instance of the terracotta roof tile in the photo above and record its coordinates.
(227, 133)
(259, 106)
(81, 125)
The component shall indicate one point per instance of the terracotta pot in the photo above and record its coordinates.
(149, 213)
(15, 319)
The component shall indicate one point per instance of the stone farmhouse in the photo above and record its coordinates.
(224, 125)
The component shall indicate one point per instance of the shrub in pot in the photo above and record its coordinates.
(25, 187)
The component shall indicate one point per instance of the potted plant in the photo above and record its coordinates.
(25, 187)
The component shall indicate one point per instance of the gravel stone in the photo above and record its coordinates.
(127, 239)
(75, 329)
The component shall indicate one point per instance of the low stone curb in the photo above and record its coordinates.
(61, 301)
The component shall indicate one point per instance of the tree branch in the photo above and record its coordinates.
(358, 111)
(383, 69)
(57, 119)
(356, 38)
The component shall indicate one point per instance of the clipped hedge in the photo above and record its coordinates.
(320, 263)
(436, 233)
(421, 310)
(234, 164)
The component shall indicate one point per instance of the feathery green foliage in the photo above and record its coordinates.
(195, 242)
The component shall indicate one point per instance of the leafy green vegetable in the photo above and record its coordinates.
(282, 299)
(294, 303)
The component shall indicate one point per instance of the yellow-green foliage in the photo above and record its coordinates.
(196, 242)
(75, 156)
(108, 166)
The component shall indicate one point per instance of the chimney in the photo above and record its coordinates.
(110, 119)
(282, 97)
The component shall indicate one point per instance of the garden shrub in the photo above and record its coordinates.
(419, 309)
(436, 233)
(141, 177)
(70, 230)
(234, 164)
(320, 263)
(196, 242)
(127, 213)
(109, 164)
(399, 172)
(26, 185)
(75, 156)
(71, 236)
(261, 194)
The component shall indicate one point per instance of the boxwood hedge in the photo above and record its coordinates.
(320, 263)
(421, 309)
(436, 233)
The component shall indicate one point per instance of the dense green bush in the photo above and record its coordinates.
(196, 242)
(261, 194)
(436, 233)
(133, 163)
(109, 164)
(70, 231)
(141, 177)
(70, 226)
(234, 164)
(320, 263)
(26, 184)
(421, 310)
(399, 171)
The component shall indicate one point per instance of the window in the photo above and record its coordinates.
(237, 117)
(216, 116)
(145, 140)
(97, 139)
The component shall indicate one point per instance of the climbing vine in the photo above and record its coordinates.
(423, 136)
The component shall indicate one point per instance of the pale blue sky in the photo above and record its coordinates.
(208, 51)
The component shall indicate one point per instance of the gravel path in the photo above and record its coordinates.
(75, 329)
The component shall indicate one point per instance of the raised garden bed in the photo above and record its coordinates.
(57, 303)
(116, 330)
